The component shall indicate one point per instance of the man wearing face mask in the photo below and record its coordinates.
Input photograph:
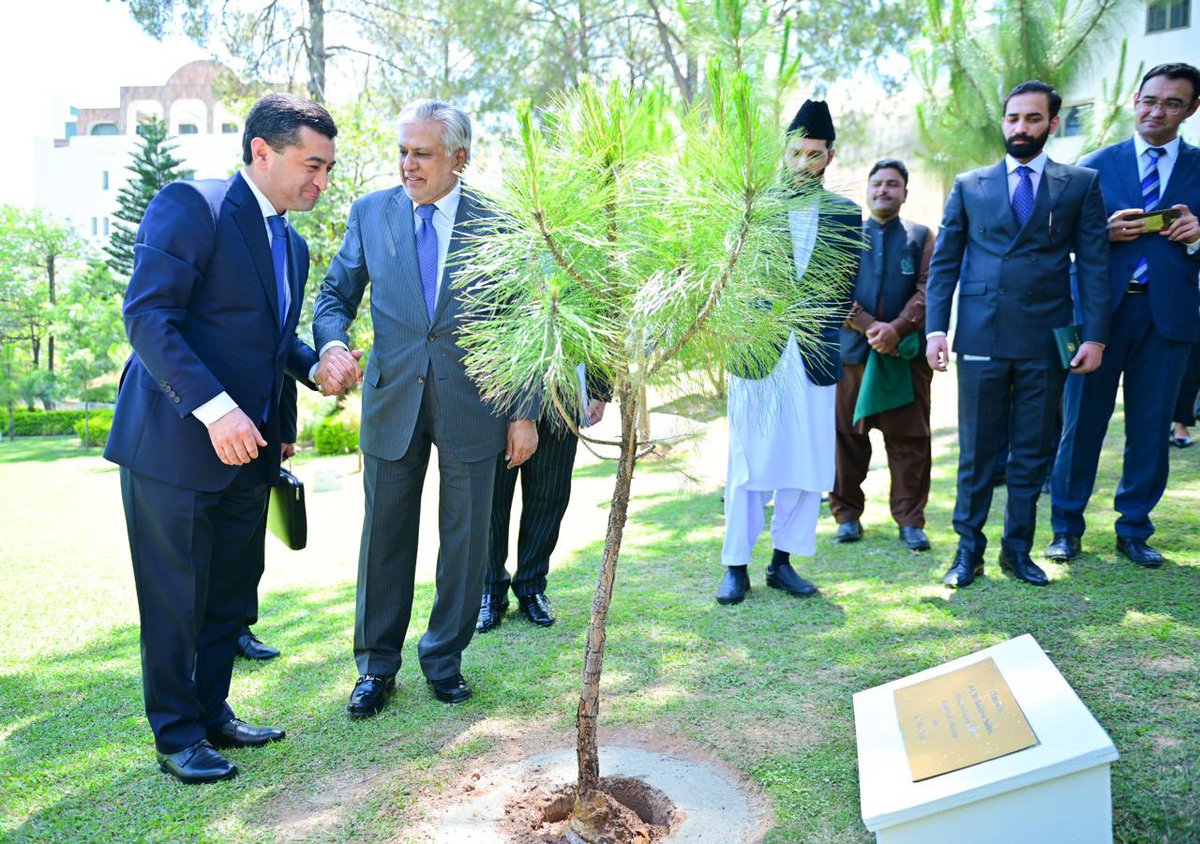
(885, 384)
(1005, 243)
(781, 423)
(1152, 278)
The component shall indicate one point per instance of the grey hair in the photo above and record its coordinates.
(456, 126)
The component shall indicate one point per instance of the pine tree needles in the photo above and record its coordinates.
(637, 239)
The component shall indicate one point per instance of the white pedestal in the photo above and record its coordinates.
(1057, 791)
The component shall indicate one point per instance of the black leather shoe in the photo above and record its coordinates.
(734, 585)
(250, 647)
(1022, 567)
(1139, 551)
(491, 612)
(783, 576)
(536, 608)
(914, 537)
(237, 733)
(197, 763)
(1062, 548)
(451, 690)
(963, 571)
(370, 695)
(849, 531)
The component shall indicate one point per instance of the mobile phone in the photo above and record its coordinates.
(1156, 221)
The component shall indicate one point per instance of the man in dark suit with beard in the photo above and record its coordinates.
(1005, 243)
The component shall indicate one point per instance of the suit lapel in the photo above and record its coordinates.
(1130, 174)
(249, 219)
(1181, 174)
(401, 235)
(466, 211)
(994, 185)
(294, 284)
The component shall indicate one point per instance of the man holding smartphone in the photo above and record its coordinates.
(1150, 184)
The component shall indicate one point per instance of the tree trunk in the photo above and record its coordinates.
(316, 50)
(583, 822)
(87, 431)
(50, 342)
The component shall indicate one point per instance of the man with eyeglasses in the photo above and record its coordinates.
(1155, 321)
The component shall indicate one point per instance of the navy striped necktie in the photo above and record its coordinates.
(1151, 187)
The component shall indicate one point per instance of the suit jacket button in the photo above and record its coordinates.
(420, 379)
(176, 399)
(432, 337)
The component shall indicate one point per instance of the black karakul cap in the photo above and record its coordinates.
(814, 120)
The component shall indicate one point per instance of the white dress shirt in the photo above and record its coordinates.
(219, 405)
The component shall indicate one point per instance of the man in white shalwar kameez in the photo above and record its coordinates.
(782, 434)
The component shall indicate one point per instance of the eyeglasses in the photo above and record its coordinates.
(1171, 107)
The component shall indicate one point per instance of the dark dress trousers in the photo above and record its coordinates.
(201, 311)
(839, 224)
(1152, 335)
(890, 287)
(287, 434)
(1189, 387)
(1014, 289)
(416, 395)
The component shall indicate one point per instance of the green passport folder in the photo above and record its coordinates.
(1067, 339)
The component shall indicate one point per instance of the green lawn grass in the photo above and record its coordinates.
(765, 686)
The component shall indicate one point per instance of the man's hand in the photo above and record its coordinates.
(338, 370)
(522, 442)
(235, 438)
(883, 337)
(287, 450)
(595, 411)
(1088, 358)
(1121, 229)
(1184, 230)
(937, 352)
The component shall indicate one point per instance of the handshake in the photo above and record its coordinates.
(338, 370)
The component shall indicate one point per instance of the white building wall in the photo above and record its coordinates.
(68, 180)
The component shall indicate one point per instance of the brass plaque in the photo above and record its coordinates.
(960, 719)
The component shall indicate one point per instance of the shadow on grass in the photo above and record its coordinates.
(44, 449)
(765, 685)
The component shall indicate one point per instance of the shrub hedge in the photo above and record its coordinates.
(99, 423)
(336, 435)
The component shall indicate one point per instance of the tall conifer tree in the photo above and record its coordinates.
(153, 166)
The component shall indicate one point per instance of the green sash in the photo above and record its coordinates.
(887, 380)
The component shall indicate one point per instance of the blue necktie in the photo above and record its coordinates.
(1150, 195)
(279, 244)
(1022, 198)
(427, 256)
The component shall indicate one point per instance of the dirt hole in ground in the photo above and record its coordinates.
(635, 813)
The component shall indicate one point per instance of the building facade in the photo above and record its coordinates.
(77, 176)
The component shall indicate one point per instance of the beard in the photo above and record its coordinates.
(1026, 146)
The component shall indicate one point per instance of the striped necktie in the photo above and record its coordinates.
(1150, 196)
(427, 257)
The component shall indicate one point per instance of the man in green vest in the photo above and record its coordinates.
(885, 383)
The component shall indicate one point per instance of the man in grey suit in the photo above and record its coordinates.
(402, 241)
(1006, 242)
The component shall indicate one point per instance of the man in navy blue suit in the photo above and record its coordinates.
(1005, 243)
(211, 312)
(1155, 321)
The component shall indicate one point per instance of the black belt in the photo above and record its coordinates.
(1134, 287)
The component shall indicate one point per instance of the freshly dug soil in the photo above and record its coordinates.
(636, 813)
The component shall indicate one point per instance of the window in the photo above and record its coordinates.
(106, 226)
(189, 129)
(103, 129)
(229, 128)
(95, 227)
(104, 180)
(1073, 120)
(1163, 15)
